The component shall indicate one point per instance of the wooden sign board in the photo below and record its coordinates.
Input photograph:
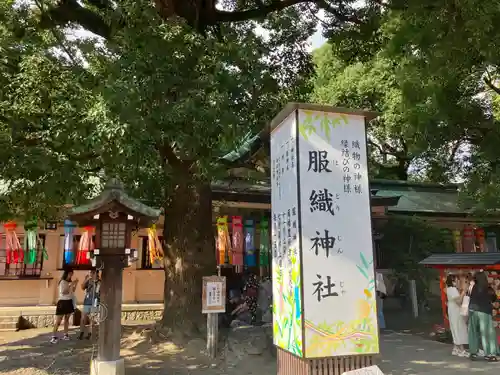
(371, 370)
(51, 225)
(214, 294)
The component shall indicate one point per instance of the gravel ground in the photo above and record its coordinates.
(30, 353)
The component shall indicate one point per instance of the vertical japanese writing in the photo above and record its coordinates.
(284, 239)
(326, 287)
(278, 248)
(287, 155)
(278, 175)
(346, 166)
(289, 236)
(318, 162)
(356, 157)
(324, 201)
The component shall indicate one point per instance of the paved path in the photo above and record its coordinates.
(404, 354)
(29, 353)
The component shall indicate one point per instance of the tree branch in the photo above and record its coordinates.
(198, 14)
(67, 11)
(259, 12)
(371, 143)
(454, 150)
(323, 4)
(489, 82)
(168, 155)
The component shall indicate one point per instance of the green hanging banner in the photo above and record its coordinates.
(264, 243)
(32, 242)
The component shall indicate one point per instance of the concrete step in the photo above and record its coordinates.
(8, 322)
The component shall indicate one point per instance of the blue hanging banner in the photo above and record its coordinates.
(491, 242)
(250, 256)
(69, 253)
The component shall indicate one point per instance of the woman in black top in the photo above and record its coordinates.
(481, 327)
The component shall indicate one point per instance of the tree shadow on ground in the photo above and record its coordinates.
(32, 352)
(405, 354)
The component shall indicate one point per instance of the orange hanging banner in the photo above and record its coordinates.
(223, 251)
(154, 246)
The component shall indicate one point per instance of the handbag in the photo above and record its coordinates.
(464, 308)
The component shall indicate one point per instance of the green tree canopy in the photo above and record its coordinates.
(416, 130)
(157, 106)
(442, 61)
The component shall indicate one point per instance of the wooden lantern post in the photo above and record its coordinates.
(114, 215)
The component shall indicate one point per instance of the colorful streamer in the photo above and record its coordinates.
(223, 251)
(238, 244)
(457, 237)
(491, 242)
(468, 243)
(480, 238)
(264, 243)
(15, 253)
(33, 243)
(447, 236)
(250, 256)
(154, 245)
(69, 251)
(86, 244)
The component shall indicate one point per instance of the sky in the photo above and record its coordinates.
(317, 40)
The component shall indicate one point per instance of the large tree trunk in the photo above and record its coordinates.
(189, 254)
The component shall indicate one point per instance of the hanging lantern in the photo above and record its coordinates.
(154, 245)
(223, 242)
(468, 241)
(237, 245)
(69, 251)
(250, 256)
(85, 246)
(457, 238)
(480, 239)
(15, 253)
(491, 242)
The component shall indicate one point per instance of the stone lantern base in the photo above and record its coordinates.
(107, 367)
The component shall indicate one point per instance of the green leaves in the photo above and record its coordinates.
(154, 105)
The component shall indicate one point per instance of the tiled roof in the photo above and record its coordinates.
(420, 197)
(113, 191)
(462, 259)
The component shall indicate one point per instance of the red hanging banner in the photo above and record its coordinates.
(13, 248)
(469, 242)
(86, 244)
(238, 243)
(481, 240)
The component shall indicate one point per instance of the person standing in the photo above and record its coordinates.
(458, 325)
(64, 307)
(381, 291)
(481, 329)
(91, 286)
